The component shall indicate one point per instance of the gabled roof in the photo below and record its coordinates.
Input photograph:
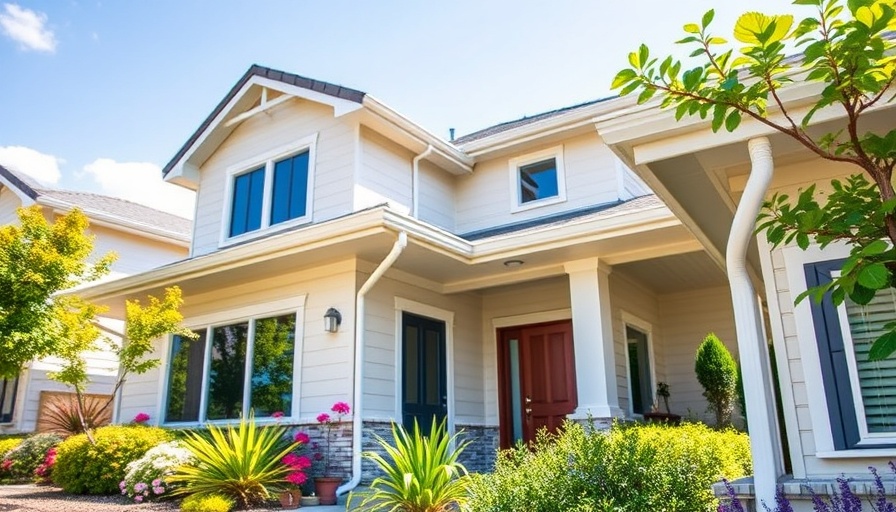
(104, 208)
(336, 91)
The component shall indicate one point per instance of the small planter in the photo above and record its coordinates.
(662, 417)
(325, 487)
(310, 501)
(291, 499)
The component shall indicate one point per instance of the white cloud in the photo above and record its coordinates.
(28, 28)
(41, 167)
(140, 182)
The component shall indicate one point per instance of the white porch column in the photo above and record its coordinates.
(592, 332)
(751, 344)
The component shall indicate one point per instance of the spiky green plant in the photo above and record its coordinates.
(242, 461)
(422, 475)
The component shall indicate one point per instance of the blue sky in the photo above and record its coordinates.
(99, 95)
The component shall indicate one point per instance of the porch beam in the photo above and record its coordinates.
(592, 332)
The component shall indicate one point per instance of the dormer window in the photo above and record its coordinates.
(537, 179)
(271, 191)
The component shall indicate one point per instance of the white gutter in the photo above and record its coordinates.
(415, 180)
(357, 424)
(760, 400)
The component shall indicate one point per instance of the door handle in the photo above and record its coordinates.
(528, 412)
(528, 399)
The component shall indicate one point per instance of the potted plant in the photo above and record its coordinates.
(326, 485)
(655, 416)
(291, 496)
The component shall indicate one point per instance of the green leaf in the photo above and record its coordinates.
(623, 77)
(732, 121)
(692, 28)
(883, 347)
(874, 276)
(643, 54)
(875, 247)
(861, 295)
(802, 240)
(707, 17)
(718, 116)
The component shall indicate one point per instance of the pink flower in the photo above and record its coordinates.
(138, 498)
(341, 408)
(323, 418)
(157, 482)
(122, 484)
(303, 462)
(291, 459)
(158, 490)
(296, 478)
(278, 414)
(301, 438)
(141, 417)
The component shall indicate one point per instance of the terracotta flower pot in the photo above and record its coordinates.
(325, 487)
(291, 499)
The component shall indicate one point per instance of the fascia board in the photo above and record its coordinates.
(25, 198)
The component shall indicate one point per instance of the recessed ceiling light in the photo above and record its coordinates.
(513, 263)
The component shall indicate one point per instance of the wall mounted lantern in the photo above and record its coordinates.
(332, 319)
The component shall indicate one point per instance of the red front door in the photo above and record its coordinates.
(537, 379)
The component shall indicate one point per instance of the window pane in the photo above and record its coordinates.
(411, 365)
(877, 380)
(248, 195)
(228, 369)
(538, 181)
(290, 188)
(433, 368)
(272, 365)
(8, 398)
(639, 371)
(185, 378)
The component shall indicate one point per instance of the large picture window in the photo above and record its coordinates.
(231, 369)
(271, 190)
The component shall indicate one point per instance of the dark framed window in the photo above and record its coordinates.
(8, 388)
(538, 181)
(290, 191)
(248, 201)
(860, 394)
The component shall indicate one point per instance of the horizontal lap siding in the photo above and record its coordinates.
(687, 318)
(326, 373)
(484, 197)
(437, 197)
(38, 381)
(385, 174)
(135, 253)
(628, 296)
(380, 372)
(277, 127)
(9, 202)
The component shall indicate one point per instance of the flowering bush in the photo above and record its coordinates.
(140, 418)
(20, 463)
(145, 478)
(340, 409)
(296, 461)
(842, 500)
(43, 472)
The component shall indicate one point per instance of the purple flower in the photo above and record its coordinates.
(122, 484)
(157, 482)
(158, 490)
(139, 487)
(138, 498)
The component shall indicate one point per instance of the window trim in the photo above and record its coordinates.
(639, 324)
(250, 313)
(795, 261)
(266, 161)
(514, 165)
(14, 396)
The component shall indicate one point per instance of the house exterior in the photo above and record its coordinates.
(143, 238)
(504, 281)
(839, 410)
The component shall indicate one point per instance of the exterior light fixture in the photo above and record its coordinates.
(332, 319)
(513, 263)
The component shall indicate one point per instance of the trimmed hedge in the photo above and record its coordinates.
(83, 468)
(628, 468)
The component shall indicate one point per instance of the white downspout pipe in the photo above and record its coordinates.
(415, 180)
(760, 399)
(360, 304)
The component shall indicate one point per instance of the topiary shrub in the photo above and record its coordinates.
(18, 464)
(717, 373)
(207, 503)
(85, 468)
(628, 468)
(147, 477)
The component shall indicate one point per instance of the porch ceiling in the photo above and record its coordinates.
(676, 273)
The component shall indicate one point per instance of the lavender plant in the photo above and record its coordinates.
(842, 500)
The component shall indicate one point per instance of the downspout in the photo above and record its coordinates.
(415, 180)
(357, 424)
(760, 400)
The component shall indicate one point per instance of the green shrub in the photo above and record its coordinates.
(244, 462)
(18, 464)
(421, 475)
(628, 468)
(7, 444)
(207, 503)
(717, 373)
(147, 477)
(85, 468)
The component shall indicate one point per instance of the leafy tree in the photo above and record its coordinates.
(717, 373)
(37, 260)
(847, 47)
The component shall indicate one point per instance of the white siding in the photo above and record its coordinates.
(381, 357)
(385, 174)
(135, 253)
(437, 196)
(686, 319)
(279, 126)
(9, 202)
(326, 371)
(483, 198)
